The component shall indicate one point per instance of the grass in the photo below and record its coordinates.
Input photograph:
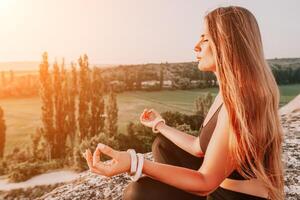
(23, 115)
(288, 92)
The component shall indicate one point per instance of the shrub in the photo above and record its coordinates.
(139, 137)
(25, 170)
(176, 118)
(3, 167)
(187, 129)
(203, 103)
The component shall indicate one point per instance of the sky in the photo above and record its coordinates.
(131, 31)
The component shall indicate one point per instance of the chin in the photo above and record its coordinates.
(203, 68)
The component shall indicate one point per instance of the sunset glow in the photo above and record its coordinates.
(129, 31)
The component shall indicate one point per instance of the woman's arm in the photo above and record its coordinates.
(215, 168)
(187, 142)
(183, 178)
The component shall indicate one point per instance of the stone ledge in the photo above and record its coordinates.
(90, 186)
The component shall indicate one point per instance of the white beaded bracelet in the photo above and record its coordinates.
(154, 126)
(139, 170)
(133, 163)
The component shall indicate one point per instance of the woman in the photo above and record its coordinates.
(240, 140)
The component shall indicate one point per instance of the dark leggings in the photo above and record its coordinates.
(164, 151)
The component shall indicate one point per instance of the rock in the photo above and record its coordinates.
(90, 186)
(291, 155)
(291, 107)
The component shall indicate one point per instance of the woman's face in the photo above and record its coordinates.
(204, 52)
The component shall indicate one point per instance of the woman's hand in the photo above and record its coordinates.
(149, 117)
(119, 164)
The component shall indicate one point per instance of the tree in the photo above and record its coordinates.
(128, 79)
(130, 129)
(138, 82)
(72, 106)
(62, 136)
(97, 103)
(47, 105)
(2, 133)
(112, 114)
(57, 108)
(161, 77)
(59, 111)
(84, 97)
(38, 145)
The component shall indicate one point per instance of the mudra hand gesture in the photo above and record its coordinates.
(151, 118)
(119, 164)
(121, 160)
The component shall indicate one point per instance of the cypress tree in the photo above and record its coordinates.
(58, 106)
(47, 105)
(161, 77)
(84, 116)
(72, 106)
(65, 110)
(112, 113)
(2, 133)
(97, 103)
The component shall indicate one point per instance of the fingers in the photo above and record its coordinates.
(155, 112)
(146, 114)
(89, 159)
(152, 114)
(97, 171)
(142, 115)
(98, 167)
(96, 156)
(107, 150)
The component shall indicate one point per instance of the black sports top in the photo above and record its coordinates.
(205, 135)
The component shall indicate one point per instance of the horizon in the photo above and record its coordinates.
(67, 65)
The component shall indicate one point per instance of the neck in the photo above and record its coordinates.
(216, 74)
(219, 95)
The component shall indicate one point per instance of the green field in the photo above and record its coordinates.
(23, 115)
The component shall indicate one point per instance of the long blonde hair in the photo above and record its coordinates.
(250, 94)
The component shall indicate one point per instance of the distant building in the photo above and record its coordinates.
(195, 83)
(153, 83)
(167, 84)
(150, 83)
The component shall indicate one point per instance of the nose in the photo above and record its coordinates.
(197, 47)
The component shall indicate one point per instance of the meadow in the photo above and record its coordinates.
(23, 115)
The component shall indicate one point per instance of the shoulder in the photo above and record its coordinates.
(218, 152)
(223, 117)
(221, 132)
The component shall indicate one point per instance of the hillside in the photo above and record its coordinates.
(91, 186)
(34, 65)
